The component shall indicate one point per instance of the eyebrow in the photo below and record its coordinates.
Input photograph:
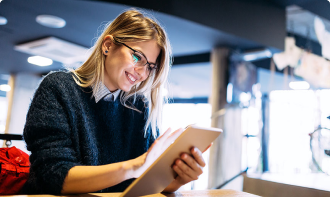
(144, 56)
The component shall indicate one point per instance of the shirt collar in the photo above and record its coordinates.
(104, 91)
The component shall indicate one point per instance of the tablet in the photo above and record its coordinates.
(160, 174)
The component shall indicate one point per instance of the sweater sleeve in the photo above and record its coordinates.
(47, 135)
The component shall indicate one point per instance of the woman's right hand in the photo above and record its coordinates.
(142, 163)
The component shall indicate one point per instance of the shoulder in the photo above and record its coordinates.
(57, 83)
(58, 80)
(56, 77)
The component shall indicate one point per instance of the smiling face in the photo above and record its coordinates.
(120, 70)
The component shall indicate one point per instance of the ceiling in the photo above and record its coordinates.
(83, 19)
(188, 34)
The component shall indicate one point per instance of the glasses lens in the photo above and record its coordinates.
(139, 59)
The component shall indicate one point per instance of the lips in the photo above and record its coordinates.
(130, 77)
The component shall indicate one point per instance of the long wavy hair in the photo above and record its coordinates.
(133, 26)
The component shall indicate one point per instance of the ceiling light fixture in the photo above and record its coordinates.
(299, 85)
(40, 61)
(252, 55)
(3, 20)
(5, 87)
(56, 49)
(51, 21)
(257, 55)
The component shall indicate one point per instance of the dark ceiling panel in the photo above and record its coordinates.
(258, 21)
(84, 19)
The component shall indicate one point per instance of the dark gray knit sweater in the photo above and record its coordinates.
(66, 128)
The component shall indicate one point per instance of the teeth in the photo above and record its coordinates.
(132, 78)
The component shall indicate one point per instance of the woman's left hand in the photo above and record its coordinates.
(189, 167)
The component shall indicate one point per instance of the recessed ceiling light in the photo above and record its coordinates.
(299, 85)
(5, 87)
(40, 61)
(256, 55)
(51, 21)
(3, 20)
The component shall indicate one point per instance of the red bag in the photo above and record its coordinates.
(14, 170)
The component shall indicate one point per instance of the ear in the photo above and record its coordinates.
(107, 43)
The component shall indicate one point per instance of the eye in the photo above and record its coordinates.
(136, 57)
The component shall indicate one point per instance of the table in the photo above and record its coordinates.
(199, 193)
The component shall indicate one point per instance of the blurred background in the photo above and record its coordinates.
(258, 69)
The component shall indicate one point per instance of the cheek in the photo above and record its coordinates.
(116, 64)
(144, 77)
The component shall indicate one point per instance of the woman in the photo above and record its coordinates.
(91, 129)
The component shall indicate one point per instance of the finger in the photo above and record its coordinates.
(197, 154)
(160, 140)
(180, 176)
(165, 135)
(208, 147)
(173, 137)
(185, 171)
(191, 162)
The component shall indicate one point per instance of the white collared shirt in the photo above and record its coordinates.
(104, 92)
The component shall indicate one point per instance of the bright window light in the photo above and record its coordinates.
(178, 115)
(230, 92)
(5, 87)
(291, 119)
(40, 61)
(256, 55)
(299, 85)
(2, 128)
(244, 97)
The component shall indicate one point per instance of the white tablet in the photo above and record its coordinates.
(160, 174)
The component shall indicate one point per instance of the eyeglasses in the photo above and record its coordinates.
(140, 60)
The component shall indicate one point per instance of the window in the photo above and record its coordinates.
(179, 115)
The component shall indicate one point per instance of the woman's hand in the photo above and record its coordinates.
(188, 168)
(142, 163)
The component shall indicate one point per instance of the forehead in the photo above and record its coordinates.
(149, 48)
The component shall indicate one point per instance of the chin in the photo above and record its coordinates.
(125, 88)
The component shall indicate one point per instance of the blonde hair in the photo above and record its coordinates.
(133, 26)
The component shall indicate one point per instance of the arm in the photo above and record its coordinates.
(47, 134)
(84, 179)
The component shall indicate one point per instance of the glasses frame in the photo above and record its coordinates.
(135, 51)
